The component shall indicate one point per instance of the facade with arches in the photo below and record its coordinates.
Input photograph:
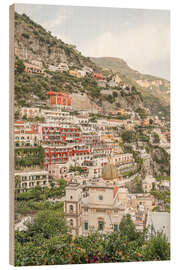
(100, 206)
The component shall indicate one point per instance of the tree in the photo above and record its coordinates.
(156, 138)
(19, 66)
(115, 94)
(127, 228)
(128, 136)
(17, 181)
(157, 248)
(61, 186)
(150, 121)
(48, 223)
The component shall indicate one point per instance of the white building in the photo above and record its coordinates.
(100, 204)
(30, 112)
(148, 182)
(159, 222)
(28, 179)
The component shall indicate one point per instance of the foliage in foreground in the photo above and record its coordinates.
(46, 244)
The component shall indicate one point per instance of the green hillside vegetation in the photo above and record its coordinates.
(40, 42)
(30, 89)
(28, 86)
(157, 98)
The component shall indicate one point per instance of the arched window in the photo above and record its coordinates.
(71, 197)
(71, 208)
(71, 222)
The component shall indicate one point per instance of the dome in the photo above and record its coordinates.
(109, 172)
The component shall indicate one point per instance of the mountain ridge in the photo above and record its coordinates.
(34, 43)
(150, 86)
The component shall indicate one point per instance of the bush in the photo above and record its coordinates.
(25, 35)
(128, 136)
(115, 94)
(45, 243)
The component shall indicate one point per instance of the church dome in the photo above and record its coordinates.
(109, 172)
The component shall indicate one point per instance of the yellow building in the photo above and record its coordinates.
(74, 73)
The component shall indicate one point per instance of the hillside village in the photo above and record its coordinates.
(84, 138)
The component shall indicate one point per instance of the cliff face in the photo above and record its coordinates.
(160, 161)
(34, 44)
(155, 91)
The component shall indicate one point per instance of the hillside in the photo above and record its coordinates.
(155, 91)
(33, 44)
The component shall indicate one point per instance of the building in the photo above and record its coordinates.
(87, 69)
(101, 83)
(58, 171)
(58, 134)
(28, 179)
(99, 204)
(59, 99)
(26, 134)
(73, 208)
(146, 200)
(146, 161)
(30, 112)
(98, 76)
(63, 67)
(75, 73)
(37, 63)
(32, 69)
(77, 153)
(81, 73)
(53, 68)
(159, 222)
(56, 116)
(148, 183)
(28, 157)
(116, 79)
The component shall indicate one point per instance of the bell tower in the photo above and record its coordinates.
(73, 208)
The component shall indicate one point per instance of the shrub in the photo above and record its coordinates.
(25, 35)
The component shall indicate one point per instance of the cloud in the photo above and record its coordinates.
(140, 37)
(61, 17)
(141, 47)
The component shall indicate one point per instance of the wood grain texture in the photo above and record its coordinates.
(11, 134)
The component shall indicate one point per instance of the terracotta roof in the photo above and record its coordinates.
(19, 122)
(30, 132)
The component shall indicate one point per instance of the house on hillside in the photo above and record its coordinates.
(98, 76)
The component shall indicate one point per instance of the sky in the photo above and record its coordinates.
(141, 37)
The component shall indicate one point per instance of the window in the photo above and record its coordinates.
(100, 197)
(71, 197)
(86, 226)
(71, 222)
(115, 227)
(71, 208)
(100, 225)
